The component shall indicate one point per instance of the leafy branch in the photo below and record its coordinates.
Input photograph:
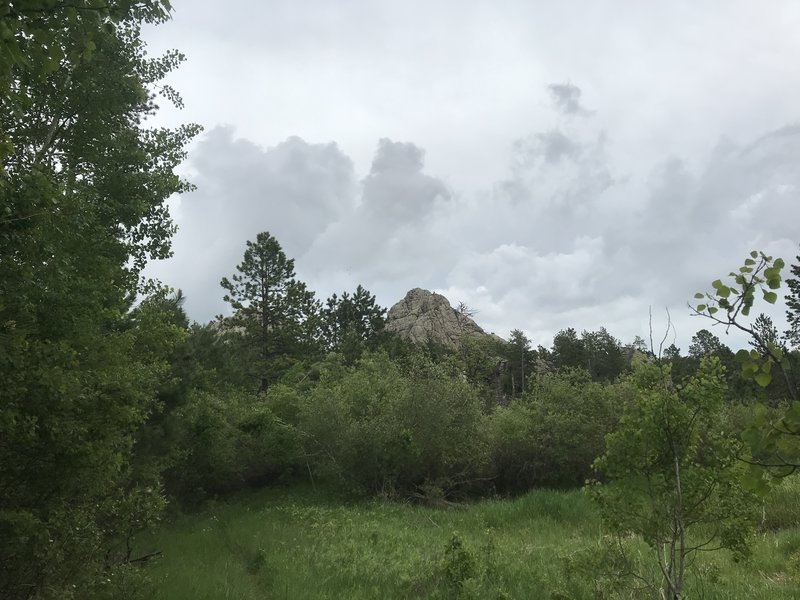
(773, 442)
(732, 300)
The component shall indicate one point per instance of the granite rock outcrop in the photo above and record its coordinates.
(427, 317)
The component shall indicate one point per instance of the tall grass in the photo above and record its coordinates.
(299, 543)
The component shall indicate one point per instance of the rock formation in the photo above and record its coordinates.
(424, 316)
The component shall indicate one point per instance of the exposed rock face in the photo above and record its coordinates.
(424, 316)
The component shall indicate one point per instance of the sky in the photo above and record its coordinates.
(549, 164)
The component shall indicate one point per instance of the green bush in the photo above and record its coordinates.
(550, 436)
(229, 441)
(382, 430)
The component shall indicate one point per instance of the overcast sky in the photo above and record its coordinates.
(550, 164)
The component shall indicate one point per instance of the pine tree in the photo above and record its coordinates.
(278, 315)
(793, 305)
(352, 323)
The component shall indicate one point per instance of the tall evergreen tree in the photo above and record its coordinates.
(352, 323)
(277, 314)
(793, 305)
(705, 343)
(569, 350)
(520, 359)
(605, 358)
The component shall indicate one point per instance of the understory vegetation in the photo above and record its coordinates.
(300, 542)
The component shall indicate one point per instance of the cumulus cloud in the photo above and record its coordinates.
(396, 189)
(624, 244)
(567, 239)
(389, 237)
(293, 190)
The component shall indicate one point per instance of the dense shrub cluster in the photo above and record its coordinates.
(407, 428)
(227, 441)
(550, 436)
(386, 430)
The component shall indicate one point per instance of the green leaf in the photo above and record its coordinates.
(716, 284)
(699, 295)
(749, 370)
(763, 379)
(701, 307)
(775, 352)
(712, 310)
(792, 415)
(751, 436)
(770, 297)
(749, 262)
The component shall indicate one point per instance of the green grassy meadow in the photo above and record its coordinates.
(297, 543)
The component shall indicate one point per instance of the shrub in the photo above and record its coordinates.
(550, 436)
(229, 441)
(385, 431)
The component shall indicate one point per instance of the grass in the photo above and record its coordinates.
(298, 543)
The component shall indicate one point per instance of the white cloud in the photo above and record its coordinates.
(668, 154)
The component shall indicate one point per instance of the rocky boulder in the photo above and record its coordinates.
(424, 316)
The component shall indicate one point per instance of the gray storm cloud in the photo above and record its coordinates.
(656, 148)
(391, 235)
(293, 190)
(565, 240)
(396, 190)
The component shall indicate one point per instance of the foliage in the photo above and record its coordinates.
(605, 358)
(551, 436)
(596, 351)
(210, 358)
(352, 323)
(569, 350)
(704, 343)
(479, 360)
(519, 363)
(793, 305)
(388, 431)
(773, 443)
(83, 187)
(277, 314)
(230, 441)
(671, 473)
(41, 37)
(725, 305)
(459, 564)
